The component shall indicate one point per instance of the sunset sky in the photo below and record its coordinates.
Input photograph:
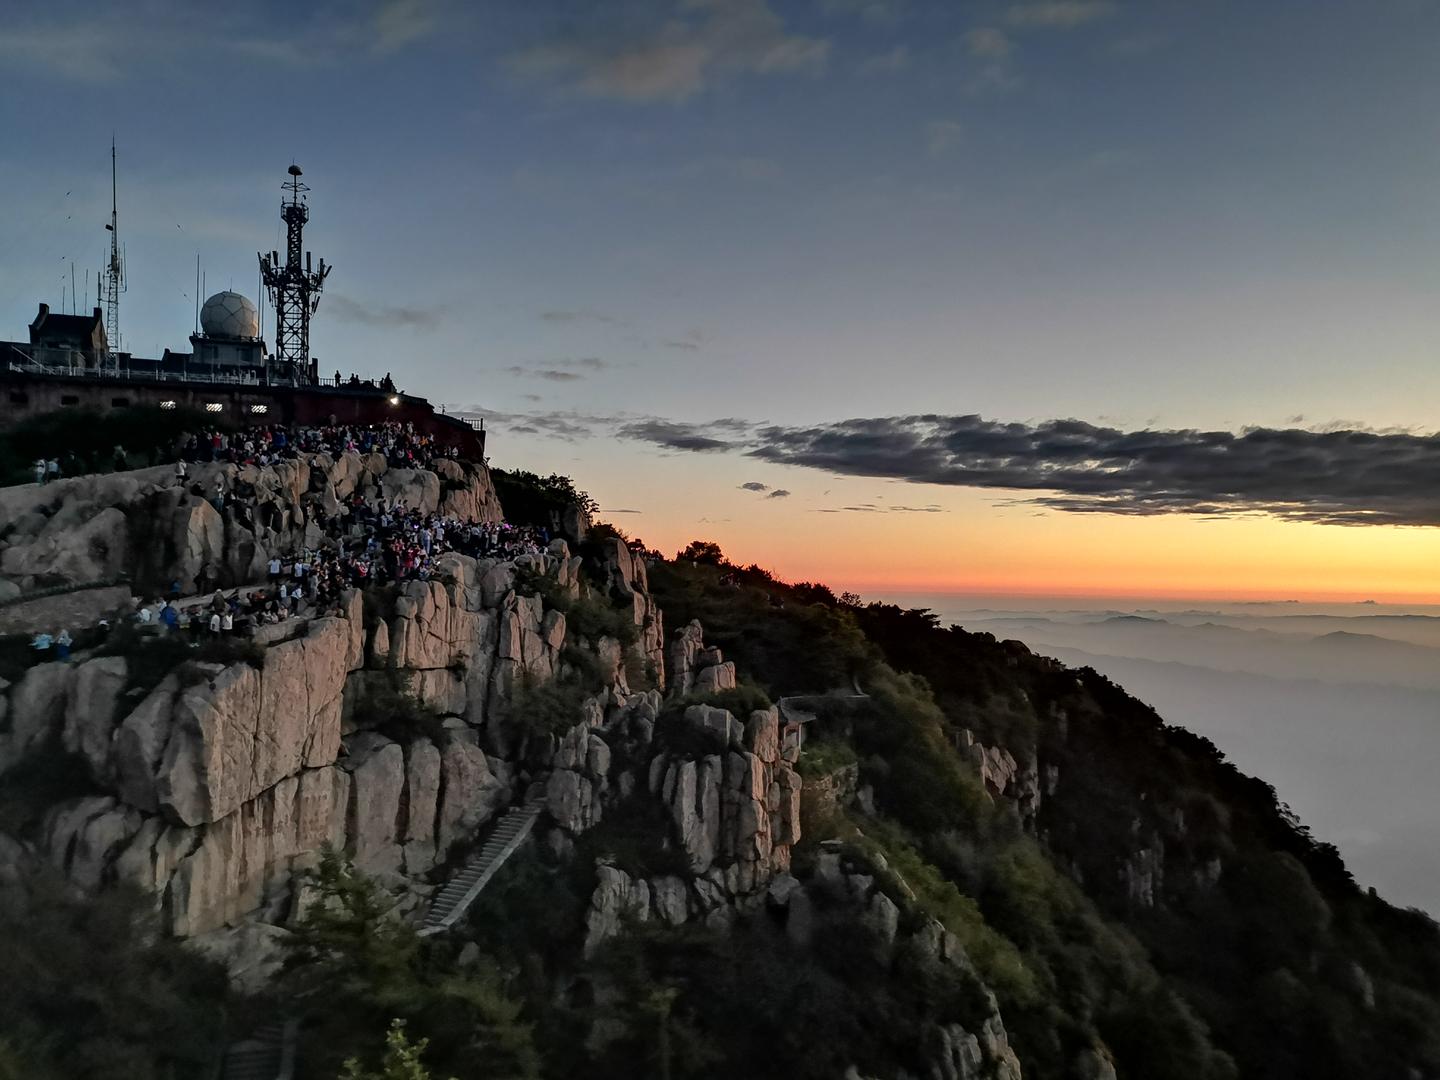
(671, 248)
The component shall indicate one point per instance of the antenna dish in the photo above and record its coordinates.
(295, 170)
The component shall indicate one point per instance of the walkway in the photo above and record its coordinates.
(451, 902)
(269, 1054)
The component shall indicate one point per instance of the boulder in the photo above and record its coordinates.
(617, 897)
(470, 790)
(90, 712)
(377, 771)
(762, 735)
(711, 680)
(245, 729)
(37, 705)
(139, 743)
(669, 898)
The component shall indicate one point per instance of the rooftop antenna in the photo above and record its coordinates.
(114, 274)
(294, 287)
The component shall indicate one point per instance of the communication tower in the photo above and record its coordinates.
(112, 278)
(294, 287)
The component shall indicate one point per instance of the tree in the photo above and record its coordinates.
(402, 1060)
(356, 965)
(703, 551)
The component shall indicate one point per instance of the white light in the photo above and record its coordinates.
(213, 406)
(259, 408)
(395, 400)
(167, 404)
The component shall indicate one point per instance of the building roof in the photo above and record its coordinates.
(49, 324)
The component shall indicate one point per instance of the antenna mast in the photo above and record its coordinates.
(113, 276)
(294, 286)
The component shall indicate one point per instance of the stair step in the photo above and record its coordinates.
(460, 891)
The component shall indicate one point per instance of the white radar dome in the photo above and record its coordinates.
(229, 315)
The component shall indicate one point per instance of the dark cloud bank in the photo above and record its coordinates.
(1351, 477)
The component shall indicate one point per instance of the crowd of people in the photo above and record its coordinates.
(402, 445)
(372, 541)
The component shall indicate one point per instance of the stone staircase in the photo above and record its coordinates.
(268, 1054)
(452, 901)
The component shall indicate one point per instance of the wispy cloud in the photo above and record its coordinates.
(1058, 14)
(943, 136)
(114, 42)
(701, 42)
(872, 11)
(397, 23)
(778, 493)
(988, 43)
(392, 315)
(673, 435)
(754, 485)
(886, 63)
(556, 315)
(992, 52)
(550, 374)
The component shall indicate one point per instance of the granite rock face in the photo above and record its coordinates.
(94, 528)
(222, 781)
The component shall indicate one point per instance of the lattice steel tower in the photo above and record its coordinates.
(112, 278)
(294, 288)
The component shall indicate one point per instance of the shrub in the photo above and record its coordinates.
(386, 704)
(593, 618)
(821, 757)
(547, 708)
(105, 994)
(531, 499)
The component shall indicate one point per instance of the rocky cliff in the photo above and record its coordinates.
(154, 530)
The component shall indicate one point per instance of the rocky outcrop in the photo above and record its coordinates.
(1004, 777)
(977, 1049)
(223, 780)
(144, 525)
(627, 579)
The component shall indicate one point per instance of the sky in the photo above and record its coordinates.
(1019, 296)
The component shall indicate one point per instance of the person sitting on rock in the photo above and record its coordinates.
(63, 642)
(39, 469)
(42, 642)
(52, 470)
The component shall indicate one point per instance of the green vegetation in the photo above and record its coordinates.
(589, 616)
(531, 499)
(550, 707)
(93, 992)
(388, 706)
(1254, 954)
(356, 968)
(403, 1059)
(821, 757)
(1253, 974)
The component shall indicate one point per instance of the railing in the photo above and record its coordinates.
(60, 590)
